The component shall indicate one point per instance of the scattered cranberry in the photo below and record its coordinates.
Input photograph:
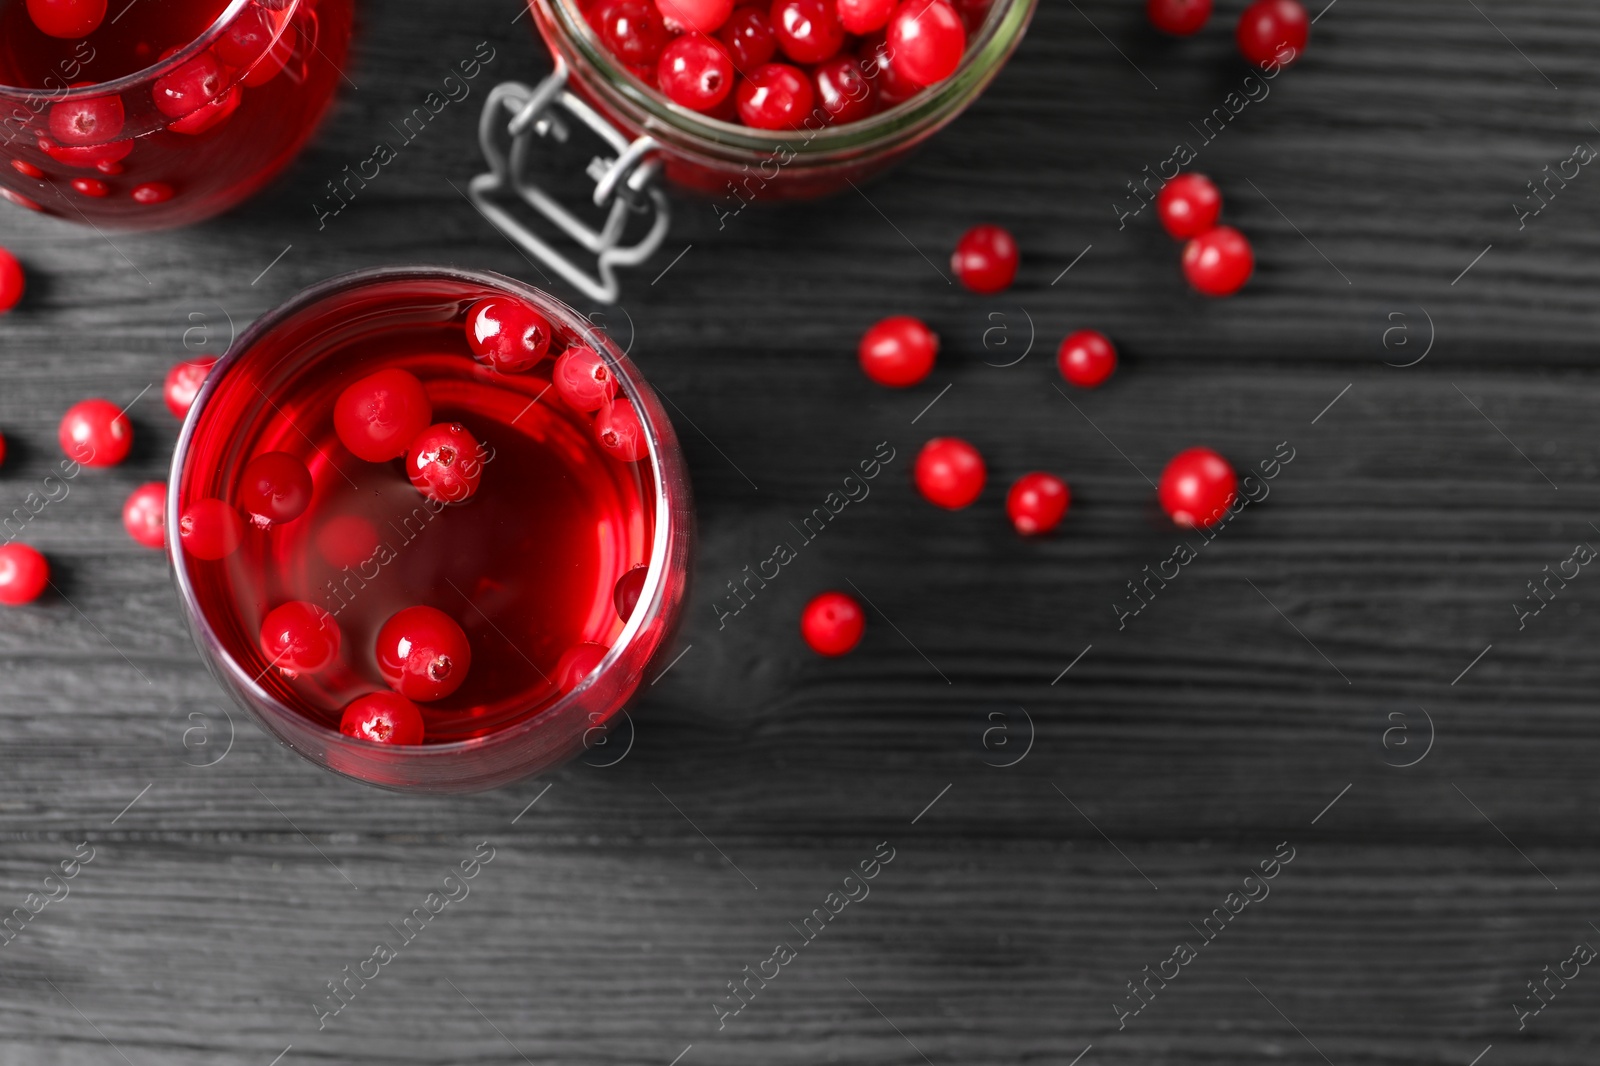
(985, 259)
(1086, 358)
(842, 90)
(445, 463)
(1036, 503)
(108, 167)
(1270, 27)
(1188, 205)
(1197, 487)
(26, 169)
(24, 573)
(747, 35)
(382, 718)
(347, 541)
(1219, 261)
(583, 379)
(183, 383)
(274, 487)
(67, 18)
(144, 515)
(1178, 17)
(91, 187)
(695, 16)
(423, 654)
(379, 416)
(695, 72)
(210, 530)
(627, 591)
(191, 86)
(927, 40)
(577, 663)
(775, 96)
(898, 352)
(631, 30)
(91, 120)
(300, 637)
(12, 281)
(95, 433)
(949, 472)
(808, 31)
(865, 16)
(152, 192)
(619, 431)
(507, 334)
(89, 156)
(832, 624)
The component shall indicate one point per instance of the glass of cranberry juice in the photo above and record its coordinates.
(156, 113)
(408, 546)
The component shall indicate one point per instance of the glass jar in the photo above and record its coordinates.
(267, 68)
(529, 565)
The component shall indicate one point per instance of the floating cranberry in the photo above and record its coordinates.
(379, 416)
(24, 573)
(445, 463)
(106, 166)
(21, 200)
(695, 73)
(1178, 17)
(183, 384)
(583, 379)
(26, 169)
(832, 624)
(193, 85)
(927, 40)
(620, 433)
(1188, 206)
(95, 433)
(91, 187)
(89, 156)
(842, 90)
(507, 334)
(90, 120)
(67, 18)
(209, 115)
(1273, 31)
(949, 472)
(808, 31)
(13, 282)
(1036, 503)
(247, 37)
(577, 663)
(1219, 261)
(144, 515)
(382, 718)
(152, 192)
(210, 530)
(775, 96)
(631, 30)
(695, 16)
(747, 35)
(274, 487)
(627, 591)
(300, 637)
(898, 352)
(1197, 487)
(1086, 358)
(864, 16)
(423, 654)
(347, 541)
(985, 259)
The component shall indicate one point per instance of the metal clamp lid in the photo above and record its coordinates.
(625, 181)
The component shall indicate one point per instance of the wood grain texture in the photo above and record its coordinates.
(1171, 759)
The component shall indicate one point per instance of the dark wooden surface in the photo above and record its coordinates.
(1252, 692)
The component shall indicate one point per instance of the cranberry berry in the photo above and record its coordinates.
(347, 541)
(1188, 205)
(583, 379)
(1219, 261)
(1037, 502)
(274, 487)
(985, 259)
(949, 473)
(629, 588)
(191, 86)
(379, 416)
(1197, 488)
(67, 18)
(382, 718)
(832, 624)
(631, 30)
(152, 192)
(927, 40)
(1086, 358)
(808, 31)
(96, 433)
(842, 89)
(898, 352)
(423, 654)
(1178, 17)
(91, 187)
(577, 663)
(183, 383)
(747, 35)
(13, 282)
(878, 63)
(695, 73)
(506, 334)
(775, 96)
(620, 433)
(445, 463)
(144, 515)
(865, 16)
(300, 638)
(1273, 31)
(695, 16)
(24, 573)
(91, 120)
(210, 530)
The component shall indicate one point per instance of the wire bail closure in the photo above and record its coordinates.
(625, 181)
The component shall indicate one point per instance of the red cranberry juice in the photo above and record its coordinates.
(187, 139)
(526, 565)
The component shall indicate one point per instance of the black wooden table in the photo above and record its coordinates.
(1343, 686)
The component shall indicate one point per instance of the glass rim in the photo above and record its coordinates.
(629, 377)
